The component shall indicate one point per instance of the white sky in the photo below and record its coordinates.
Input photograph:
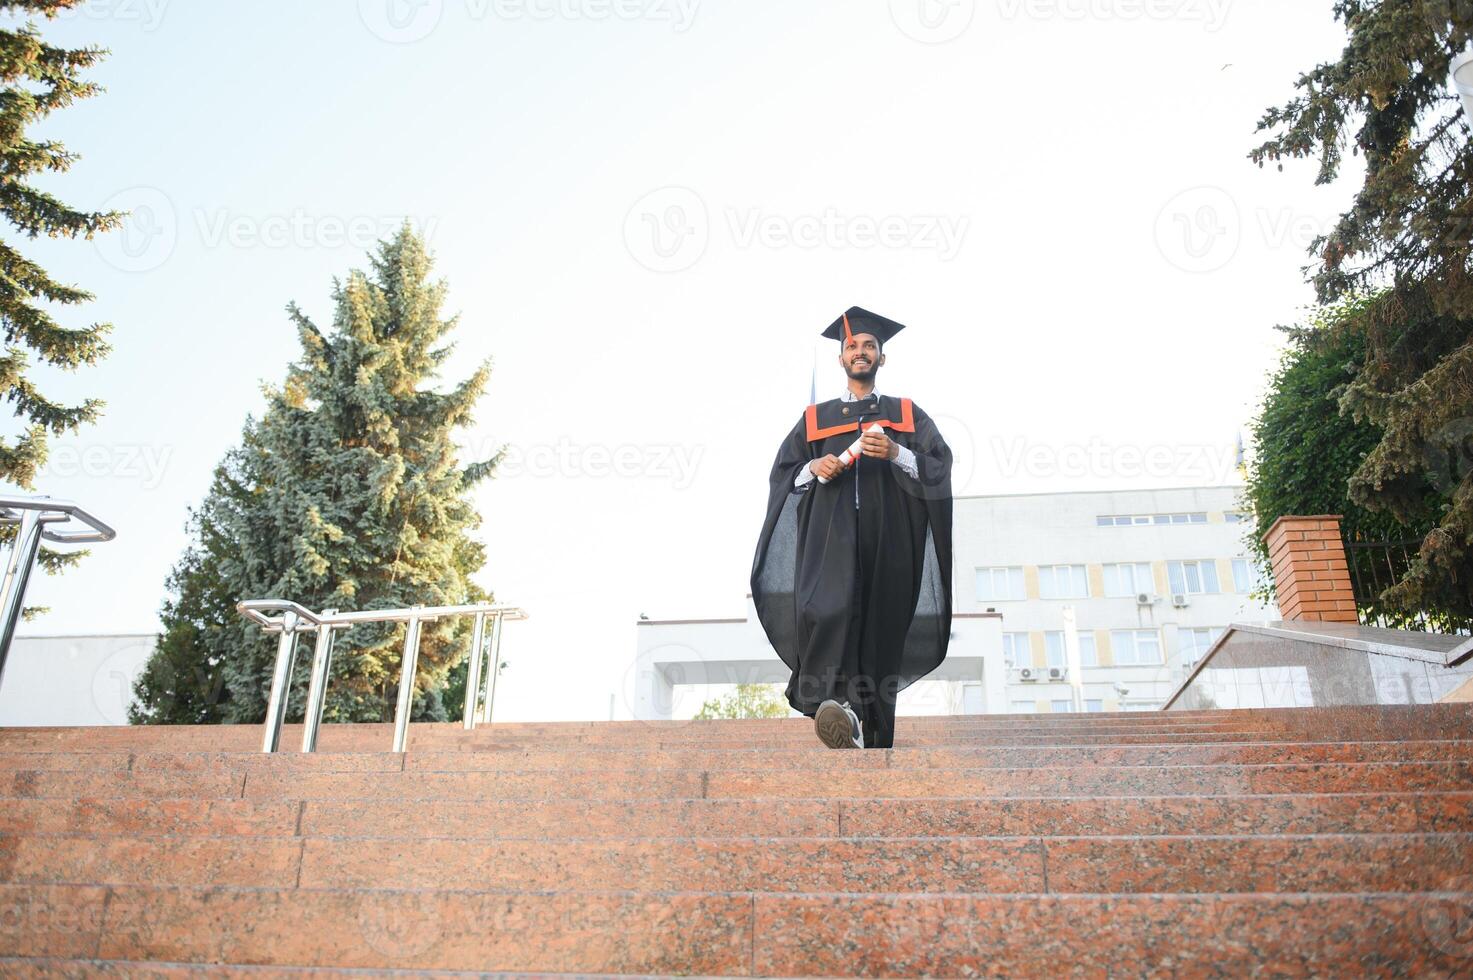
(1036, 175)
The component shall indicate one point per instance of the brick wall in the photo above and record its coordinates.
(1310, 574)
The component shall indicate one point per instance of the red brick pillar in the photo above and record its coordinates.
(1310, 575)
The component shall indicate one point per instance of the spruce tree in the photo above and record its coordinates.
(36, 79)
(1405, 241)
(347, 493)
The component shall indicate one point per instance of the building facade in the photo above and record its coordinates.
(1150, 577)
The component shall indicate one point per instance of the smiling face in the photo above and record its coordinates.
(861, 357)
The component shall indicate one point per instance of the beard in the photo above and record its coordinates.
(865, 374)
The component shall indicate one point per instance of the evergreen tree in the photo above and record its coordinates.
(1405, 241)
(345, 494)
(36, 79)
(1307, 450)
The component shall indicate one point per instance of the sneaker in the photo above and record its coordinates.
(837, 726)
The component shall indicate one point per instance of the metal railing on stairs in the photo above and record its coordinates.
(294, 619)
(36, 519)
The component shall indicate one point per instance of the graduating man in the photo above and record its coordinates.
(852, 577)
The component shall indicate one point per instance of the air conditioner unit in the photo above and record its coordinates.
(1027, 674)
(1144, 599)
(1179, 600)
(1058, 674)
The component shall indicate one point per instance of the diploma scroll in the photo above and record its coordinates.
(849, 455)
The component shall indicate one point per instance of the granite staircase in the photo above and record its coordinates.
(1334, 841)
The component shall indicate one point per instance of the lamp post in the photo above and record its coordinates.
(1461, 80)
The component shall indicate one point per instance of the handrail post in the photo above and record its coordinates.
(473, 673)
(317, 689)
(406, 684)
(280, 683)
(495, 667)
(18, 564)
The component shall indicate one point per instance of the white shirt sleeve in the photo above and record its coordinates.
(805, 474)
(906, 460)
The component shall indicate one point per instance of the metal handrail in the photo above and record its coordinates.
(35, 515)
(295, 618)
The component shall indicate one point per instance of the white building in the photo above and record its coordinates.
(72, 680)
(1150, 577)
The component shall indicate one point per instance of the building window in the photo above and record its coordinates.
(1128, 520)
(1015, 650)
(1053, 645)
(1192, 577)
(1134, 648)
(1062, 582)
(1139, 705)
(1237, 517)
(999, 584)
(1024, 707)
(1093, 704)
(1130, 579)
(1061, 706)
(1195, 643)
(1246, 577)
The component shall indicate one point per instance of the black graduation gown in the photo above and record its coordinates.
(847, 592)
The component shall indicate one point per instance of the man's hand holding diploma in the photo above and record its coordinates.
(874, 443)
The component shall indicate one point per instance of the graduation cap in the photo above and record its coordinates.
(856, 320)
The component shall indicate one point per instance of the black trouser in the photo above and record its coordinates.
(870, 692)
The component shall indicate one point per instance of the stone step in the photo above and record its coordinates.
(1285, 813)
(838, 783)
(1279, 814)
(814, 758)
(874, 865)
(745, 933)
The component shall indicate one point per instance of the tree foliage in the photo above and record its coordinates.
(346, 494)
(37, 79)
(1404, 243)
(1307, 450)
(747, 701)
